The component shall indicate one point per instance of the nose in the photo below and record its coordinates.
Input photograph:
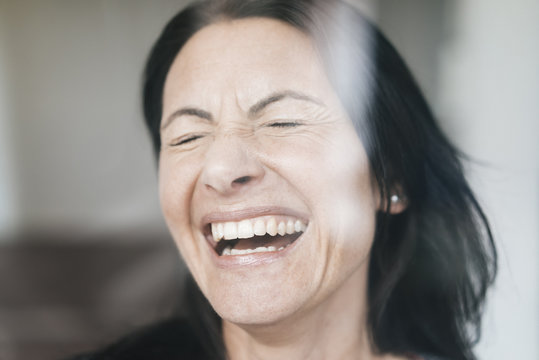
(231, 167)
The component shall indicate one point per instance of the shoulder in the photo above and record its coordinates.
(171, 339)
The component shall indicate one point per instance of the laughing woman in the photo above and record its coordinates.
(321, 212)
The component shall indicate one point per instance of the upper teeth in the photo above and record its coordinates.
(248, 228)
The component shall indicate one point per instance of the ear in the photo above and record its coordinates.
(395, 202)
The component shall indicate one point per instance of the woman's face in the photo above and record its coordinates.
(256, 146)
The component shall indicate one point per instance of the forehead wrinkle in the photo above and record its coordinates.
(239, 99)
(208, 57)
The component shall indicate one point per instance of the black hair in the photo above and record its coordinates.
(430, 265)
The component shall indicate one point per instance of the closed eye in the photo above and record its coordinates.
(186, 140)
(283, 124)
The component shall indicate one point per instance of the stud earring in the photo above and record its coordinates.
(394, 199)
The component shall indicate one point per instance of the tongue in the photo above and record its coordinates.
(266, 241)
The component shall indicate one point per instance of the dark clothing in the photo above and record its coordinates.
(169, 340)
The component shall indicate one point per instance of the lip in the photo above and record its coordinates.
(254, 259)
(249, 213)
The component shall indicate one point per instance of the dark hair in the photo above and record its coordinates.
(431, 265)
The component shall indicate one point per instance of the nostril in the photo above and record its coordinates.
(242, 180)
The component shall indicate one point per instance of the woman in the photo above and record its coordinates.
(320, 210)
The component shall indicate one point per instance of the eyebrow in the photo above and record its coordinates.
(188, 111)
(278, 96)
(254, 110)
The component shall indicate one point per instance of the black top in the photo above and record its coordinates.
(169, 340)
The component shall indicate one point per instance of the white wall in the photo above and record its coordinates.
(82, 155)
(490, 93)
(8, 207)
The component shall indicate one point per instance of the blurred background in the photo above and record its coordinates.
(84, 253)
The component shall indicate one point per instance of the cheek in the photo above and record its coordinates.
(330, 170)
(349, 216)
(169, 189)
(176, 181)
(333, 177)
(177, 178)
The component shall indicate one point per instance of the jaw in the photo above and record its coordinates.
(342, 313)
(306, 276)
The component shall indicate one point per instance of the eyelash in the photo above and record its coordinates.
(187, 140)
(284, 124)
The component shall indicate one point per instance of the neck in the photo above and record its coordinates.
(335, 329)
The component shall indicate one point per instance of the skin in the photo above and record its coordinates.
(309, 303)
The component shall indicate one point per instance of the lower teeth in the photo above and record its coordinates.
(229, 251)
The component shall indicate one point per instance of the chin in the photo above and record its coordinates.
(257, 303)
(249, 315)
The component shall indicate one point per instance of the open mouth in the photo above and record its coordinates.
(257, 235)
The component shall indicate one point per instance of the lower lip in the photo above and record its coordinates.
(253, 259)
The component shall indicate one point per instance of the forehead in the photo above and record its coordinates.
(247, 58)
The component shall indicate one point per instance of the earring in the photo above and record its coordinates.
(394, 198)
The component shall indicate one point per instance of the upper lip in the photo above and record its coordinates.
(250, 212)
